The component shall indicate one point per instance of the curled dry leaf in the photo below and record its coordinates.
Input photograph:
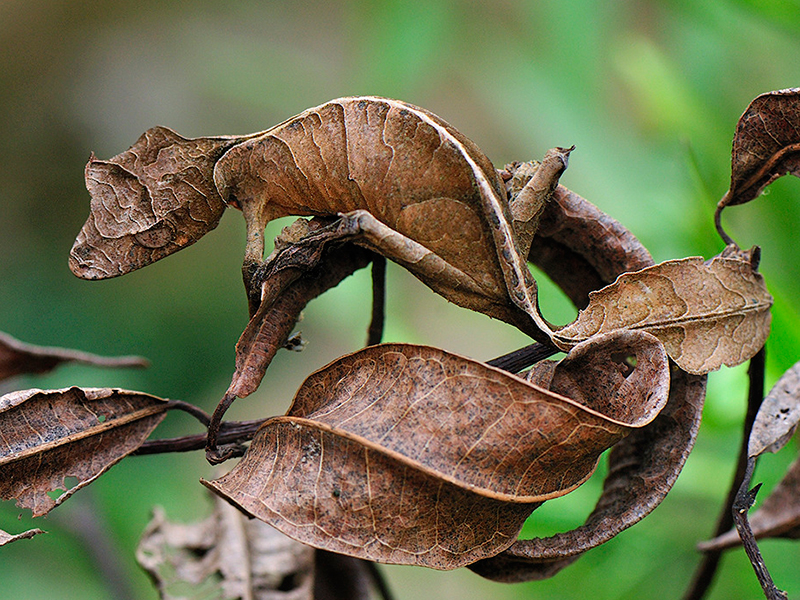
(226, 555)
(409, 454)
(644, 465)
(7, 538)
(766, 145)
(778, 516)
(705, 314)
(778, 416)
(17, 357)
(78, 433)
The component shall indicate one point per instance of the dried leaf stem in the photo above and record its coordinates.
(745, 499)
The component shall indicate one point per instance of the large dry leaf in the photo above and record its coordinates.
(644, 465)
(48, 436)
(226, 555)
(706, 314)
(411, 455)
(766, 145)
(642, 469)
(148, 202)
(7, 538)
(17, 357)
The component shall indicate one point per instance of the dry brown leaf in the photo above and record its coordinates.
(644, 465)
(148, 202)
(778, 416)
(7, 538)
(387, 448)
(71, 433)
(226, 555)
(705, 314)
(17, 357)
(766, 145)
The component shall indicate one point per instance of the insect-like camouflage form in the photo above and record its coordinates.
(402, 181)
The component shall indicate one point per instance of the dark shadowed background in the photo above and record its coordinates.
(649, 92)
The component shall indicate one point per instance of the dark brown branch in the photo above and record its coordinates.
(516, 361)
(375, 331)
(232, 432)
(196, 412)
(704, 575)
(745, 499)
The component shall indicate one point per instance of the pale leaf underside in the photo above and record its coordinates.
(706, 314)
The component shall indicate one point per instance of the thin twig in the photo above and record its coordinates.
(744, 501)
(196, 412)
(380, 581)
(515, 361)
(232, 432)
(375, 331)
(704, 575)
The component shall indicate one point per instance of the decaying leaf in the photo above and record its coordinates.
(642, 469)
(148, 202)
(226, 555)
(766, 145)
(48, 436)
(17, 357)
(411, 455)
(644, 465)
(778, 416)
(7, 538)
(778, 516)
(705, 313)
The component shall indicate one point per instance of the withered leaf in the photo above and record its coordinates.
(148, 202)
(77, 433)
(411, 455)
(642, 469)
(226, 555)
(7, 538)
(766, 145)
(705, 313)
(644, 465)
(778, 416)
(778, 516)
(17, 357)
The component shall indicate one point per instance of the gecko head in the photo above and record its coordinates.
(148, 202)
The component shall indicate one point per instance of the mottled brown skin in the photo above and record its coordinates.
(404, 182)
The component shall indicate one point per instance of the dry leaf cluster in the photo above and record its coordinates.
(399, 453)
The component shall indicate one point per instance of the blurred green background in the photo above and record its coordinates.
(648, 91)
